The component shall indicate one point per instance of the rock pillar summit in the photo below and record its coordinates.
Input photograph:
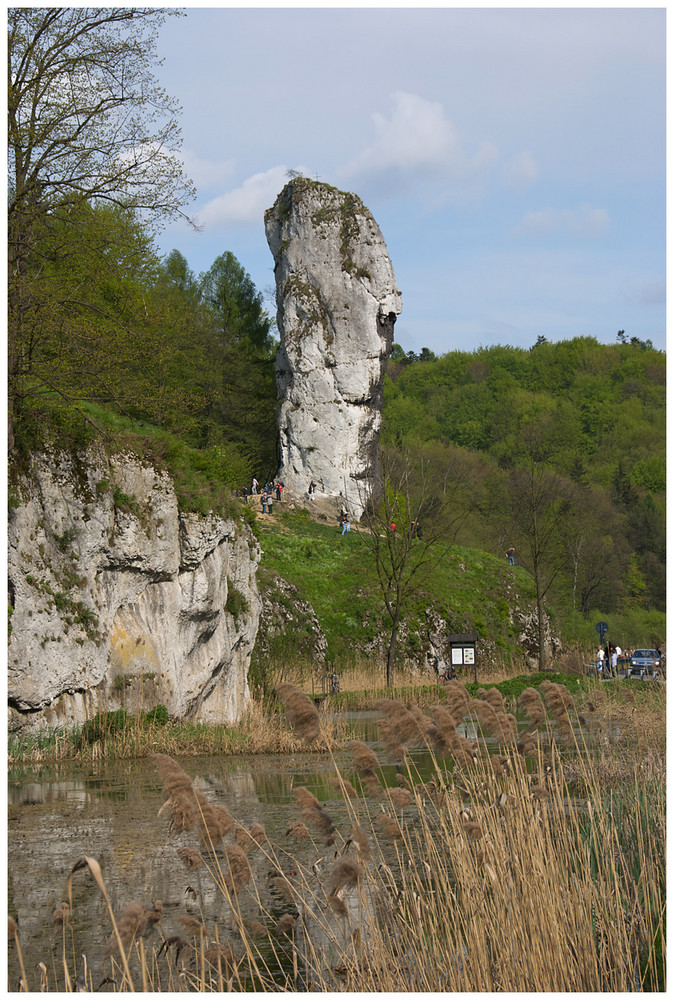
(337, 303)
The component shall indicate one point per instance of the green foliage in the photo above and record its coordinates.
(514, 686)
(102, 725)
(236, 604)
(157, 716)
(591, 415)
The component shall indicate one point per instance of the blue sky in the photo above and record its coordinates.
(514, 159)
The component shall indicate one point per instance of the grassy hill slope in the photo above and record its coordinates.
(471, 590)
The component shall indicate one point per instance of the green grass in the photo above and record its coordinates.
(337, 576)
(203, 478)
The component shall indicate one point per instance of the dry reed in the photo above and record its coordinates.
(191, 858)
(238, 872)
(301, 711)
(346, 872)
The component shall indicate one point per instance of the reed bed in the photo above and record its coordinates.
(257, 733)
(513, 869)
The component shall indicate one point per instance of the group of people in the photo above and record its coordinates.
(268, 493)
(607, 660)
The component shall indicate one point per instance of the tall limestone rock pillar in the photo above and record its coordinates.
(337, 303)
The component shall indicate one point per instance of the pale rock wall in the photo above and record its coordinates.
(119, 600)
(337, 302)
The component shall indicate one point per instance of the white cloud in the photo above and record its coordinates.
(247, 203)
(520, 172)
(417, 137)
(206, 173)
(585, 222)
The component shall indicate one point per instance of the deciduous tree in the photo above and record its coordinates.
(87, 124)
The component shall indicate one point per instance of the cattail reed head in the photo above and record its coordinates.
(346, 872)
(305, 798)
(298, 831)
(301, 711)
(61, 914)
(399, 797)
(473, 831)
(192, 926)
(255, 928)
(364, 759)
(249, 839)
(280, 886)
(494, 698)
(457, 700)
(191, 858)
(532, 704)
(237, 871)
(345, 787)
(402, 725)
(371, 785)
(132, 923)
(388, 827)
(558, 701)
(286, 926)
(360, 840)
(319, 819)
(212, 821)
(338, 905)
(222, 957)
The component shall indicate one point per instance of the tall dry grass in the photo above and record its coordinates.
(518, 871)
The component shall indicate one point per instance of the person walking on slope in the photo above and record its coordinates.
(511, 556)
(345, 525)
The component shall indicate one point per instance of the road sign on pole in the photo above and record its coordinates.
(602, 628)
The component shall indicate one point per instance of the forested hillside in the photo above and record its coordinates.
(558, 450)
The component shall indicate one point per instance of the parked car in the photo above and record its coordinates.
(646, 661)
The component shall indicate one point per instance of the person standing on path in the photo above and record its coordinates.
(346, 526)
(600, 662)
(254, 486)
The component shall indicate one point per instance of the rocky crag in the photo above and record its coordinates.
(337, 302)
(119, 600)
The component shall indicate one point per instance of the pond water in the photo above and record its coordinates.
(111, 812)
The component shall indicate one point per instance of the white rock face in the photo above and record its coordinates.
(121, 601)
(337, 302)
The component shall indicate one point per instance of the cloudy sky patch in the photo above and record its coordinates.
(584, 223)
(514, 159)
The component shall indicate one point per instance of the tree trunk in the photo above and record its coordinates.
(393, 641)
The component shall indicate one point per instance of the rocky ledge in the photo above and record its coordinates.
(119, 600)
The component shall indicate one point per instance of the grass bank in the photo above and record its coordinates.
(634, 706)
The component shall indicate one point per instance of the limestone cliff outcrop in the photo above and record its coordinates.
(118, 599)
(337, 303)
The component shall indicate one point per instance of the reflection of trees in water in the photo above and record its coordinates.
(280, 787)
